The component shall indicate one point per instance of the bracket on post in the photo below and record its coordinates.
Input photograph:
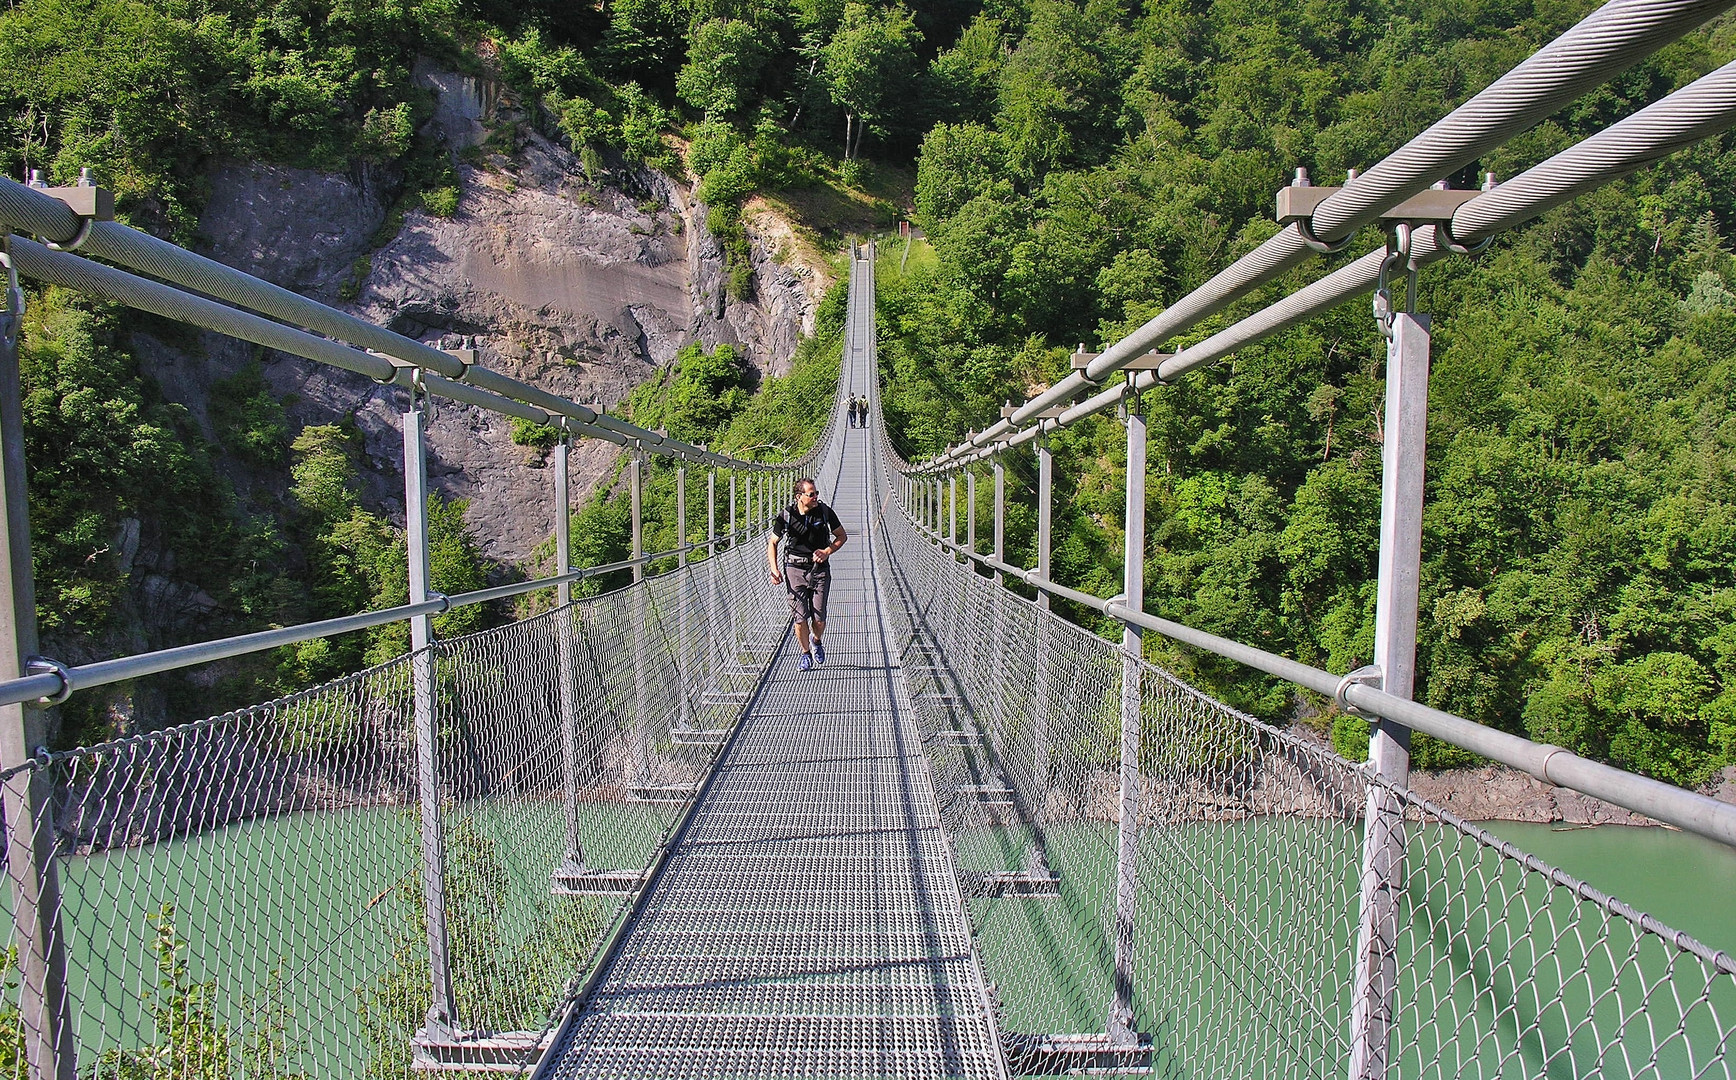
(1297, 203)
(1366, 675)
(89, 202)
(1146, 361)
(12, 303)
(1131, 404)
(1398, 250)
(47, 665)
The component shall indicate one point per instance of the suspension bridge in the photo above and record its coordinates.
(627, 837)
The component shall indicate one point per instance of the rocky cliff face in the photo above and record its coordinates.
(581, 288)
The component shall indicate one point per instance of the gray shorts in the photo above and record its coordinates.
(808, 588)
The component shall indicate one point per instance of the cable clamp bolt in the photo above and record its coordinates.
(1367, 675)
(89, 202)
(1444, 238)
(1305, 230)
(44, 665)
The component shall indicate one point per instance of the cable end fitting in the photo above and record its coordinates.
(44, 665)
(1367, 675)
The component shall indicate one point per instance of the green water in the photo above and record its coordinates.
(1242, 943)
(317, 918)
(1685, 880)
(1245, 930)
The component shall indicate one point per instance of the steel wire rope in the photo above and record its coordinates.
(932, 565)
(1177, 893)
(1718, 962)
(1606, 42)
(1704, 108)
(39, 213)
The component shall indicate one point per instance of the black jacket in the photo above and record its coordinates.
(806, 533)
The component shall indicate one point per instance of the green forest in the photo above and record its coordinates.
(1074, 166)
(1580, 533)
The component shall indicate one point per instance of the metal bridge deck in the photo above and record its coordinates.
(809, 921)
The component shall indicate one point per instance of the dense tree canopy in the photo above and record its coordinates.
(1079, 165)
(1098, 160)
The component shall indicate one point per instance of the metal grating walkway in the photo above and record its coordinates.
(809, 921)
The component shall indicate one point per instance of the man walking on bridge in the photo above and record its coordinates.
(815, 535)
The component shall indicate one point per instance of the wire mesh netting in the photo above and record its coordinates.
(245, 896)
(1242, 924)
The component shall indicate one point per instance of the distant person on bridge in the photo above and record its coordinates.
(815, 534)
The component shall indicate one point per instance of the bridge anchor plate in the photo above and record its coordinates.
(1092, 1054)
(566, 882)
(475, 1053)
(998, 883)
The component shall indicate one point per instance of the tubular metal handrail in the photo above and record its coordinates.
(1611, 38)
(1698, 111)
(350, 343)
(63, 680)
(1672, 805)
(1606, 42)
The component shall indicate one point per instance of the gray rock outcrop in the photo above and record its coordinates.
(583, 289)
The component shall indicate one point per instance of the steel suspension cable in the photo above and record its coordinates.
(37, 212)
(1698, 111)
(1606, 42)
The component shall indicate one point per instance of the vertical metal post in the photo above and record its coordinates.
(1045, 524)
(28, 798)
(1121, 1019)
(641, 724)
(970, 509)
(1395, 642)
(442, 1008)
(563, 519)
(952, 508)
(568, 645)
(711, 630)
(734, 615)
(684, 589)
(1000, 514)
(997, 623)
(680, 515)
(636, 469)
(1045, 512)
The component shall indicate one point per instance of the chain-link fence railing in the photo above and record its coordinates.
(1235, 954)
(245, 897)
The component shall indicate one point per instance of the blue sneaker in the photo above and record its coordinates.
(819, 652)
(804, 663)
